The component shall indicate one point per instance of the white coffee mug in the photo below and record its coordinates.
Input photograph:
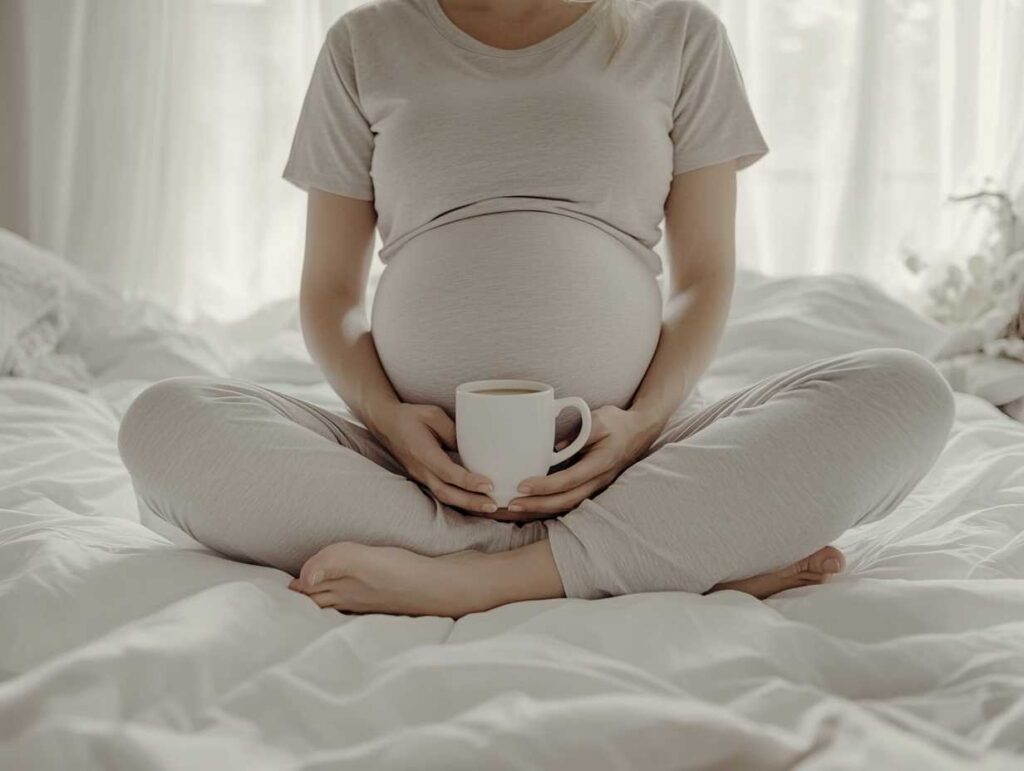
(509, 436)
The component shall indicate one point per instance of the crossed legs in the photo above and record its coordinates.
(749, 486)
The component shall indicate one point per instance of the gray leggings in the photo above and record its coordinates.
(748, 484)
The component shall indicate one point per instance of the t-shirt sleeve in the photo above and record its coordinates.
(712, 121)
(333, 143)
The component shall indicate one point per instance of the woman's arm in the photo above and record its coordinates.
(699, 230)
(700, 217)
(336, 328)
(332, 303)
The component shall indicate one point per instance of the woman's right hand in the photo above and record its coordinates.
(416, 435)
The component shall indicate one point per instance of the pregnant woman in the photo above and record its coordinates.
(518, 158)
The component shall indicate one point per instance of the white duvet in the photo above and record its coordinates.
(121, 650)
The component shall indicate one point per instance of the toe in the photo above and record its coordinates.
(312, 573)
(329, 563)
(324, 599)
(816, 569)
(827, 560)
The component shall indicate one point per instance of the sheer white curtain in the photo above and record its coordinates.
(876, 110)
(150, 134)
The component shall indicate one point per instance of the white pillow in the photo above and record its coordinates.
(995, 379)
(35, 314)
(110, 335)
(777, 323)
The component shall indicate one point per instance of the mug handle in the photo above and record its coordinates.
(577, 443)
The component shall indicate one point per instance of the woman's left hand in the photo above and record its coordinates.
(618, 438)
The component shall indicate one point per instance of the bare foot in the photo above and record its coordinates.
(816, 569)
(386, 579)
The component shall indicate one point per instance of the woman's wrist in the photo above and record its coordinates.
(377, 412)
(650, 419)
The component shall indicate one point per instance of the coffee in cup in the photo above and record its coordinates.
(505, 430)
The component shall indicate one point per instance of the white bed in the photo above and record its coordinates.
(120, 649)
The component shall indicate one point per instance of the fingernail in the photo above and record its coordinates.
(490, 508)
(316, 578)
(525, 489)
(515, 507)
(487, 488)
(831, 565)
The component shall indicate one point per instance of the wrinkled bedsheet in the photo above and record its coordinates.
(121, 649)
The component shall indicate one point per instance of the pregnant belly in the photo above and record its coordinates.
(527, 295)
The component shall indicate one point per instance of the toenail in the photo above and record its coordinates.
(831, 565)
(316, 578)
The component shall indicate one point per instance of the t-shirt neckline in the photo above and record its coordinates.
(463, 39)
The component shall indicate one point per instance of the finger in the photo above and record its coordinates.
(528, 508)
(588, 467)
(505, 515)
(598, 431)
(456, 496)
(441, 424)
(596, 435)
(450, 472)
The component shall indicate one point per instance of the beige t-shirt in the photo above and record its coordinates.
(434, 126)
